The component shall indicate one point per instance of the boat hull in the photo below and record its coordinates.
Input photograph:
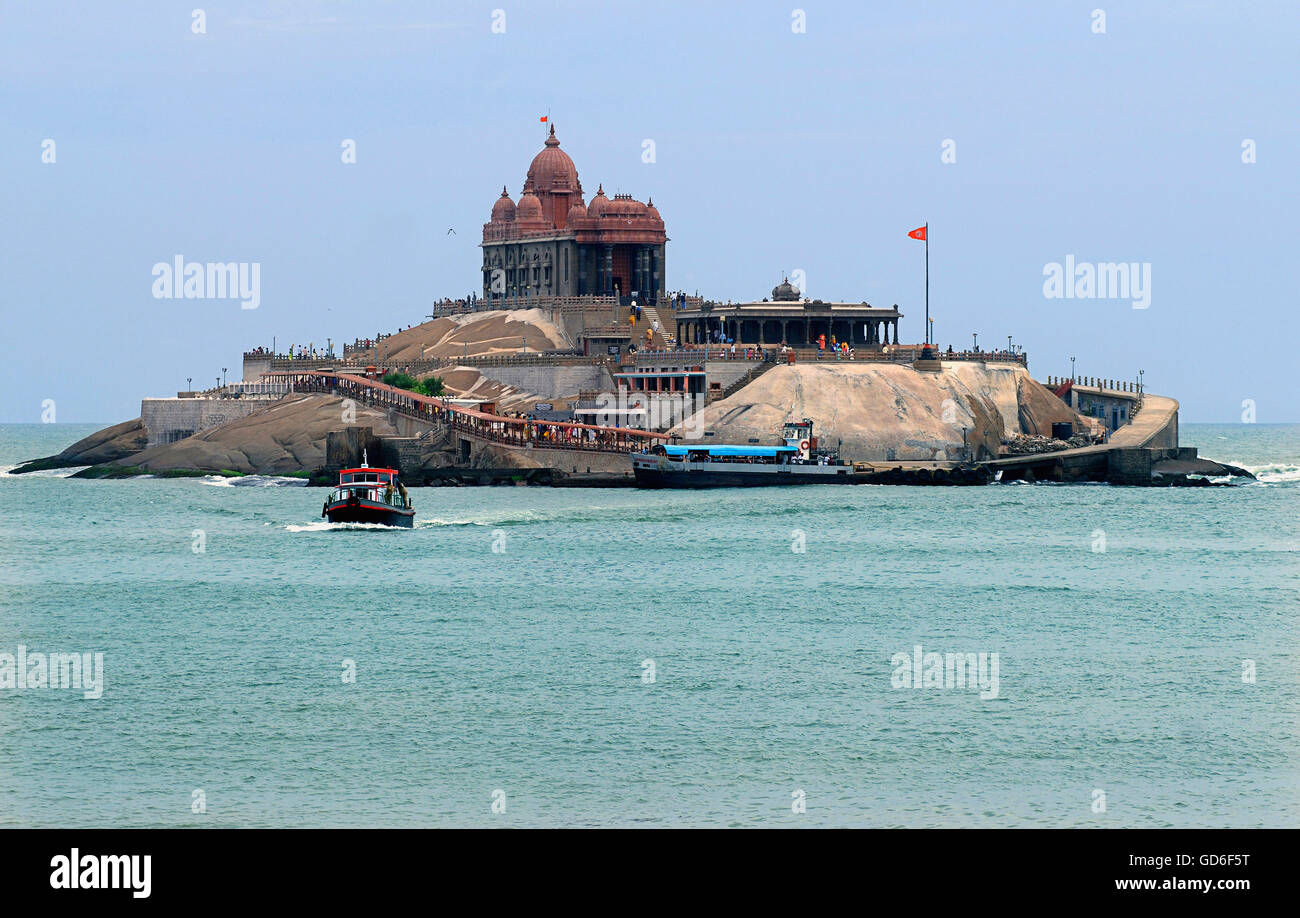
(652, 473)
(752, 477)
(368, 512)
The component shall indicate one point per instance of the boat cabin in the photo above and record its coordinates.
(367, 475)
(798, 434)
(772, 455)
(373, 484)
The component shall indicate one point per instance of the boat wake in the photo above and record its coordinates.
(493, 519)
(325, 526)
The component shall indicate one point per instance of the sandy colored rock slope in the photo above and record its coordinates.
(475, 333)
(111, 444)
(883, 412)
(287, 436)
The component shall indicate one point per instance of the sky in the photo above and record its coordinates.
(786, 138)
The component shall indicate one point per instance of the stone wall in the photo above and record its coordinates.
(551, 381)
(254, 367)
(404, 454)
(344, 448)
(170, 419)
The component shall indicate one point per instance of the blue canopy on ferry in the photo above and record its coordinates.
(768, 451)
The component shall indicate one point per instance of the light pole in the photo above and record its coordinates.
(930, 339)
(223, 377)
(189, 383)
(975, 342)
(1071, 369)
(1008, 342)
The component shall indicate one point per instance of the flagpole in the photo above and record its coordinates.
(927, 282)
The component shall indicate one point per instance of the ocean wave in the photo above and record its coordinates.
(254, 481)
(1275, 473)
(67, 472)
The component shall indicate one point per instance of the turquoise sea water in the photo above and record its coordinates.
(521, 670)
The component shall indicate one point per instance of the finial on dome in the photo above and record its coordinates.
(600, 189)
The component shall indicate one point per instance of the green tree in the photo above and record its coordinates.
(432, 387)
(399, 380)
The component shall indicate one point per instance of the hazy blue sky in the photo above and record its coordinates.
(775, 151)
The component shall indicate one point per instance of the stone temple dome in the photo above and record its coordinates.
(785, 291)
(530, 208)
(623, 205)
(503, 211)
(552, 169)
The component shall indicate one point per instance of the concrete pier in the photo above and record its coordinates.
(1142, 452)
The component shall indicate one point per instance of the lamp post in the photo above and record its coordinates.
(189, 383)
(1008, 343)
(975, 342)
(223, 377)
(1071, 369)
(930, 338)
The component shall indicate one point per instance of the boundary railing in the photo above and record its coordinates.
(497, 428)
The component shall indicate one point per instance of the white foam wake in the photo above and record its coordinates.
(254, 481)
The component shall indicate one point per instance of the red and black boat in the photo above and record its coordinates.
(369, 495)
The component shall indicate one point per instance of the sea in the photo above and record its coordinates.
(528, 656)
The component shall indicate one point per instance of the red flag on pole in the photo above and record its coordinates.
(543, 118)
(918, 233)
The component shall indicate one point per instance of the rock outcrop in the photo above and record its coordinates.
(473, 334)
(887, 412)
(286, 436)
(112, 444)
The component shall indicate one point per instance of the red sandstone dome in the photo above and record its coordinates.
(530, 208)
(552, 170)
(552, 205)
(503, 211)
(623, 205)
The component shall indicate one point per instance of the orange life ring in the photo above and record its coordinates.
(804, 444)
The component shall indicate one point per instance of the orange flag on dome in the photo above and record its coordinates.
(918, 233)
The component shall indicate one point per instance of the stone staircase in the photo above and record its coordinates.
(756, 371)
(661, 339)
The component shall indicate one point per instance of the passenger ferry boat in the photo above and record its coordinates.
(796, 461)
(369, 495)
